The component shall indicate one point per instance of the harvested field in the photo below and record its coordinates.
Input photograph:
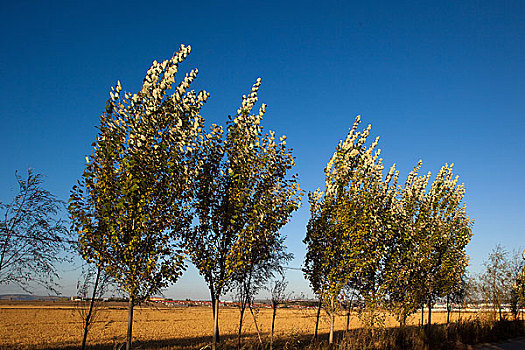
(30, 325)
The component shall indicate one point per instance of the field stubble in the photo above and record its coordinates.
(50, 325)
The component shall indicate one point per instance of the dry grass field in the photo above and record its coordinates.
(33, 325)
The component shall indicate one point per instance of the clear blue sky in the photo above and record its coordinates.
(438, 81)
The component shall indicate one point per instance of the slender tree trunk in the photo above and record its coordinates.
(215, 307)
(332, 320)
(130, 322)
(317, 318)
(448, 309)
(331, 337)
(348, 318)
(243, 308)
(255, 322)
(429, 313)
(90, 312)
(402, 321)
(274, 306)
(422, 315)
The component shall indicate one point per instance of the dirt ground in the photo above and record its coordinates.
(46, 325)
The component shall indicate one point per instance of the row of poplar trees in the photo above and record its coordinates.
(158, 189)
(392, 246)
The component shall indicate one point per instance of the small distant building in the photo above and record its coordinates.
(157, 299)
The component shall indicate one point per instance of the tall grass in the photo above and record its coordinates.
(457, 335)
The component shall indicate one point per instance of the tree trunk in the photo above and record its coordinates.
(422, 315)
(402, 321)
(348, 318)
(331, 337)
(332, 320)
(90, 312)
(317, 319)
(130, 322)
(243, 308)
(255, 322)
(215, 308)
(429, 313)
(448, 309)
(274, 305)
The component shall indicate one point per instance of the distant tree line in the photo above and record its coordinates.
(501, 286)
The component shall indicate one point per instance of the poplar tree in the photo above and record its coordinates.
(427, 256)
(448, 231)
(404, 265)
(365, 215)
(132, 205)
(243, 198)
(346, 219)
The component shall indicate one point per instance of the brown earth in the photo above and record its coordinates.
(50, 325)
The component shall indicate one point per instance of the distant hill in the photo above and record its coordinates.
(29, 297)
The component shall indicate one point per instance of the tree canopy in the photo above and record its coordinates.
(393, 246)
(132, 206)
(244, 196)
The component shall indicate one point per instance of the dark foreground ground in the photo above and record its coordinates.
(512, 344)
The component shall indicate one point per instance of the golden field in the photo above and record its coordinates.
(46, 325)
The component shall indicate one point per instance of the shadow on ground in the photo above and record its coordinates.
(461, 335)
